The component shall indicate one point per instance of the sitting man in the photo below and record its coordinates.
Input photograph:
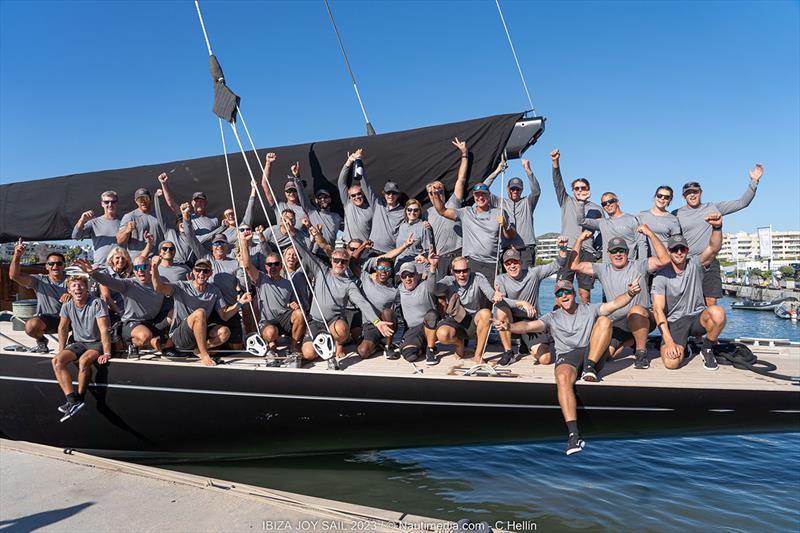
(280, 312)
(635, 321)
(381, 292)
(333, 291)
(144, 319)
(50, 291)
(87, 317)
(472, 314)
(581, 334)
(194, 301)
(519, 289)
(418, 302)
(678, 303)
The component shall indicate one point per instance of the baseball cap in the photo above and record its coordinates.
(515, 182)
(289, 185)
(391, 187)
(563, 284)
(407, 267)
(512, 253)
(199, 194)
(481, 187)
(141, 192)
(202, 262)
(676, 240)
(322, 192)
(617, 242)
(690, 186)
(220, 238)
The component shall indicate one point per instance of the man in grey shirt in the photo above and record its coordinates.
(358, 212)
(195, 300)
(201, 222)
(177, 232)
(102, 230)
(519, 289)
(135, 224)
(144, 319)
(581, 334)
(333, 291)
(692, 217)
(482, 225)
(168, 268)
(49, 289)
(678, 304)
(446, 232)
(388, 215)
(617, 224)
(321, 216)
(633, 322)
(418, 303)
(280, 314)
(474, 294)
(574, 209)
(520, 212)
(87, 318)
(381, 292)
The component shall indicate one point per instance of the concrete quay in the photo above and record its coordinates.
(758, 294)
(45, 489)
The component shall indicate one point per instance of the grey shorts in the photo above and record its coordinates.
(712, 282)
(183, 336)
(465, 330)
(79, 348)
(685, 327)
(282, 322)
(575, 358)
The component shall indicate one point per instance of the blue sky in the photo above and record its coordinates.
(636, 93)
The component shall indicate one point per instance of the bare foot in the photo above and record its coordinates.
(478, 359)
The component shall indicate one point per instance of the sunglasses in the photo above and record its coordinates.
(460, 270)
(291, 191)
(679, 249)
(339, 261)
(203, 270)
(406, 275)
(142, 198)
(353, 248)
(618, 251)
(384, 268)
(512, 189)
(272, 264)
(609, 202)
(167, 248)
(580, 188)
(563, 292)
(390, 192)
(217, 244)
(55, 263)
(691, 191)
(664, 196)
(413, 210)
(140, 268)
(357, 195)
(109, 202)
(242, 230)
(323, 197)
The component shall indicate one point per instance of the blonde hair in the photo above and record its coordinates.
(80, 279)
(118, 250)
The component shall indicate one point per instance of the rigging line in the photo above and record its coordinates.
(370, 129)
(519, 69)
(203, 25)
(285, 225)
(235, 213)
(274, 236)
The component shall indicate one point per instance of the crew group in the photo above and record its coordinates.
(176, 279)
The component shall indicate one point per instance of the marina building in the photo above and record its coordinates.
(785, 246)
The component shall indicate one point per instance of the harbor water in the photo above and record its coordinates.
(681, 483)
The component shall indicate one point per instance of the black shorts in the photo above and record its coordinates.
(465, 330)
(282, 322)
(79, 348)
(685, 327)
(155, 331)
(585, 281)
(370, 333)
(712, 282)
(183, 336)
(234, 324)
(575, 358)
(315, 327)
(51, 322)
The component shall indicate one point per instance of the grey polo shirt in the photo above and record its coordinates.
(481, 232)
(415, 303)
(357, 220)
(615, 282)
(188, 299)
(144, 221)
(103, 232)
(520, 213)
(572, 211)
(475, 295)
(446, 233)
(683, 291)
(274, 296)
(385, 221)
(571, 330)
(141, 300)
(525, 288)
(623, 226)
(48, 293)
(83, 320)
(663, 226)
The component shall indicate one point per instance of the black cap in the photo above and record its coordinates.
(220, 238)
(202, 262)
(676, 240)
(199, 194)
(512, 253)
(141, 192)
(563, 284)
(322, 192)
(391, 187)
(617, 242)
(691, 186)
(515, 182)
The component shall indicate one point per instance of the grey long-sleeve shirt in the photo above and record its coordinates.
(415, 303)
(386, 221)
(571, 211)
(664, 227)
(624, 227)
(183, 251)
(475, 295)
(424, 241)
(446, 233)
(330, 221)
(232, 234)
(695, 228)
(525, 288)
(333, 293)
(141, 300)
(103, 232)
(357, 220)
(520, 213)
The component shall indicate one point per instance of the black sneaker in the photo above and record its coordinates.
(133, 352)
(589, 374)
(64, 408)
(333, 364)
(41, 346)
(642, 362)
(391, 354)
(430, 357)
(709, 359)
(72, 410)
(575, 444)
(507, 358)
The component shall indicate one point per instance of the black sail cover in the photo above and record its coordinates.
(47, 209)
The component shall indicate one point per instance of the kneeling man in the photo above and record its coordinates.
(418, 302)
(678, 302)
(581, 334)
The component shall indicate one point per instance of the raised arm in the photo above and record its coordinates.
(78, 232)
(101, 277)
(168, 198)
(149, 238)
(311, 261)
(368, 191)
(533, 183)
(509, 231)
(161, 286)
(15, 270)
(661, 257)
(501, 166)
(251, 202)
(715, 242)
(558, 181)
(341, 183)
(732, 206)
(159, 215)
(461, 180)
(302, 195)
(622, 300)
(126, 227)
(438, 204)
(319, 239)
(268, 161)
(246, 261)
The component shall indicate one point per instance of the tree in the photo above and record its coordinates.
(787, 271)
